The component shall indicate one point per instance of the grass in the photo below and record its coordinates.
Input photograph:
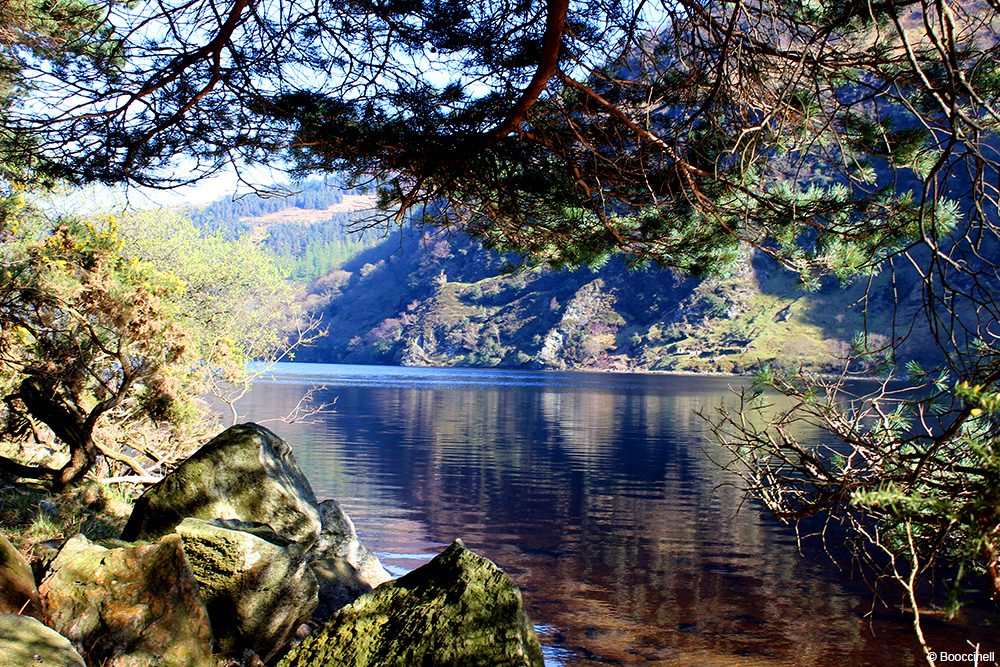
(31, 515)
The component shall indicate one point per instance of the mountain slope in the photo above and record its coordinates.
(443, 300)
(420, 298)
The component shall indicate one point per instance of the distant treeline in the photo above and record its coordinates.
(223, 216)
(307, 250)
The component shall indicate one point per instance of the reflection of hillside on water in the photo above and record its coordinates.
(602, 504)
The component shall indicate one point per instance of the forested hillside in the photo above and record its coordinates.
(440, 299)
(443, 300)
(231, 216)
(310, 230)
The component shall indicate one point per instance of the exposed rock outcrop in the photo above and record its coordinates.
(135, 606)
(459, 609)
(245, 473)
(18, 594)
(257, 586)
(24, 642)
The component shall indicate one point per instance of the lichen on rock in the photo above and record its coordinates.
(257, 586)
(133, 606)
(245, 473)
(460, 609)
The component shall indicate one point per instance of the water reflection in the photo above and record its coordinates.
(597, 495)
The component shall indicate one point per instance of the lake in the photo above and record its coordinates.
(602, 497)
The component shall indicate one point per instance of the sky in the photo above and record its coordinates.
(224, 185)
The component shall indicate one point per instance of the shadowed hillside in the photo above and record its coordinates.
(443, 300)
(426, 298)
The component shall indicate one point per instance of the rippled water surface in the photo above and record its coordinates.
(603, 499)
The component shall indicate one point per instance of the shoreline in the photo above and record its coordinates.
(543, 371)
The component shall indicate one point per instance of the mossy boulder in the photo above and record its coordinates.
(24, 641)
(245, 473)
(258, 586)
(18, 594)
(458, 610)
(134, 606)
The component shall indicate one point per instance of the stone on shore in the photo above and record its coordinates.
(135, 606)
(245, 473)
(459, 609)
(18, 594)
(340, 584)
(24, 642)
(257, 586)
(344, 566)
(339, 539)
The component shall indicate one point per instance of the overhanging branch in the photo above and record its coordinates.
(548, 60)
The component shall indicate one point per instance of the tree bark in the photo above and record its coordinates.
(548, 61)
(69, 425)
(17, 469)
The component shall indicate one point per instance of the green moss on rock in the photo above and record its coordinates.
(245, 473)
(25, 641)
(458, 610)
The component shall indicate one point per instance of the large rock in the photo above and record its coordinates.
(343, 565)
(459, 609)
(258, 586)
(340, 584)
(245, 473)
(24, 642)
(17, 583)
(135, 606)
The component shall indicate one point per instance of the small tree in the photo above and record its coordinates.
(238, 306)
(910, 470)
(82, 330)
(128, 322)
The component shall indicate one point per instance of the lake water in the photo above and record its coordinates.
(601, 496)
